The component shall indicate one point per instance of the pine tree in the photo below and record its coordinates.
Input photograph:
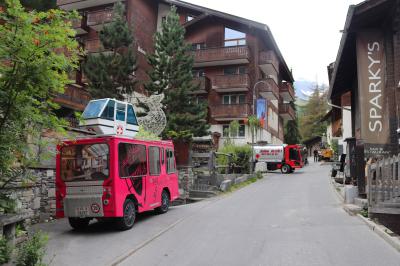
(292, 133)
(110, 73)
(314, 111)
(172, 75)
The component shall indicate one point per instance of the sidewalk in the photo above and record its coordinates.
(355, 210)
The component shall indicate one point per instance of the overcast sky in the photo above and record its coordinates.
(307, 32)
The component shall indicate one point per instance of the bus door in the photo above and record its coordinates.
(171, 173)
(153, 179)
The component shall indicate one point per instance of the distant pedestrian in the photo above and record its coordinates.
(315, 156)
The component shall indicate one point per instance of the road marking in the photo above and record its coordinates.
(122, 258)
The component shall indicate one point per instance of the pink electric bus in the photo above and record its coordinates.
(114, 177)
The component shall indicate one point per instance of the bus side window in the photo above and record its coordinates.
(170, 161)
(154, 161)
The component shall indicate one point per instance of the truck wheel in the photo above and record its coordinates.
(164, 203)
(285, 169)
(78, 223)
(126, 222)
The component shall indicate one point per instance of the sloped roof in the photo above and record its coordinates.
(251, 23)
(364, 14)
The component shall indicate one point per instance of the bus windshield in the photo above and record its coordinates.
(88, 162)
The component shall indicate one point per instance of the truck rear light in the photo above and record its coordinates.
(257, 156)
(106, 201)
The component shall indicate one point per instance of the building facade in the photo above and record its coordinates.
(365, 79)
(237, 62)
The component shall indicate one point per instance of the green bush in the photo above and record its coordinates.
(5, 251)
(259, 175)
(32, 251)
(241, 157)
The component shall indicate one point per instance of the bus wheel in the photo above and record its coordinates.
(78, 223)
(285, 169)
(126, 222)
(164, 203)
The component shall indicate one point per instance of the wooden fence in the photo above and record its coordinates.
(384, 186)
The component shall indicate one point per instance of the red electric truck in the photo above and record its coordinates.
(284, 157)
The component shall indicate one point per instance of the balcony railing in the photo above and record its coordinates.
(286, 111)
(268, 89)
(94, 46)
(82, 4)
(221, 56)
(96, 19)
(204, 85)
(230, 111)
(230, 83)
(73, 97)
(269, 57)
(287, 92)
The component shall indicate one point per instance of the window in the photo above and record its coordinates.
(154, 161)
(131, 116)
(241, 132)
(200, 100)
(234, 37)
(198, 46)
(93, 109)
(108, 112)
(230, 70)
(189, 18)
(132, 160)
(170, 161)
(163, 19)
(242, 98)
(120, 112)
(85, 162)
(236, 70)
(197, 73)
(234, 99)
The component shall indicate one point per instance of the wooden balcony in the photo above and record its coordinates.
(268, 63)
(286, 111)
(204, 85)
(94, 46)
(287, 92)
(83, 4)
(221, 56)
(224, 112)
(73, 97)
(79, 26)
(231, 83)
(97, 19)
(268, 89)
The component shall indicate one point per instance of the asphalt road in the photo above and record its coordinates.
(291, 219)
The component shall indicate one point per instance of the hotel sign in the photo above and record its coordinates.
(371, 69)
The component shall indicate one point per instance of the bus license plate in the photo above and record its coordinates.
(82, 211)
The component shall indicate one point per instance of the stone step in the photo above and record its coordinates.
(362, 203)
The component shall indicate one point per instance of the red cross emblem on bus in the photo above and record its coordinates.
(120, 130)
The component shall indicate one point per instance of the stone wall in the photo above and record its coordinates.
(35, 197)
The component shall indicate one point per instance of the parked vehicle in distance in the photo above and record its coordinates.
(114, 177)
(326, 154)
(284, 157)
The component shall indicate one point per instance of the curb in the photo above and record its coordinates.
(383, 232)
(379, 229)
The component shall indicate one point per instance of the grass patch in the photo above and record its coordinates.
(246, 183)
(364, 212)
